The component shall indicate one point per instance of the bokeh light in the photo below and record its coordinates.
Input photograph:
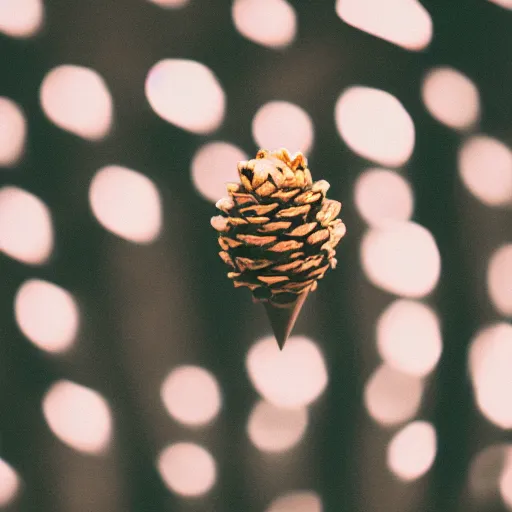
(490, 361)
(499, 279)
(401, 258)
(26, 232)
(78, 416)
(187, 469)
(270, 23)
(9, 483)
(485, 471)
(191, 395)
(293, 377)
(505, 482)
(127, 203)
(187, 94)
(276, 429)
(213, 166)
(282, 124)
(412, 450)
(170, 4)
(405, 23)
(381, 196)
(409, 337)
(392, 397)
(298, 501)
(12, 131)
(451, 97)
(374, 124)
(21, 18)
(77, 100)
(47, 315)
(507, 4)
(485, 167)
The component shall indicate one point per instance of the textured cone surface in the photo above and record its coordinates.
(277, 230)
(282, 319)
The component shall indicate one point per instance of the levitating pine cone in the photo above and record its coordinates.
(277, 230)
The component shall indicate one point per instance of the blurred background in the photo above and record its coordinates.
(134, 377)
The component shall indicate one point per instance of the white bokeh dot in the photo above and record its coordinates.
(485, 167)
(271, 23)
(21, 18)
(499, 279)
(451, 97)
(191, 395)
(276, 429)
(401, 258)
(381, 195)
(26, 231)
(409, 337)
(297, 501)
(282, 124)
(187, 94)
(170, 4)
(77, 99)
(80, 417)
(187, 469)
(412, 450)
(375, 125)
(47, 315)
(292, 377)
(13, 132)
(9, 483)
(405, 23)
(213, 166)
(392, 397)
(127, 203)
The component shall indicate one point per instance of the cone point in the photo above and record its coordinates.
(282, 319)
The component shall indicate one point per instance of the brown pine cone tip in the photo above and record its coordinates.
(277, 230)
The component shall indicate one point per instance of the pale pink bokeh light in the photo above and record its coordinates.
(9, 484)
(191, 395)
(170, 4)
(451, 97)
(26, 231)
(490, 363)
(401, 258)
(276, 429)
(485, 167)
(127, 203)
(213, 166)
(375, 125)
(187, 94)
(80, 417)
(77, 99)
(412, 450)
(485, 471)
(21, 18)
(505, 482)
(187, 469)
(381, 196)
(293, 377)
(282, 124)
(271, 23)
(392, 397)
(506, 4)
(13, 131)
(47, 315)
(409, 337)
(298, 501)
(499, 279)
(405, 23)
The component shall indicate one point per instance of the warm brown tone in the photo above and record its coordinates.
(277, 230)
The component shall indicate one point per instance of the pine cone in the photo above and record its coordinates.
(277, 230)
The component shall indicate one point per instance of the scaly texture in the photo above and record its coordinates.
(277, 230)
